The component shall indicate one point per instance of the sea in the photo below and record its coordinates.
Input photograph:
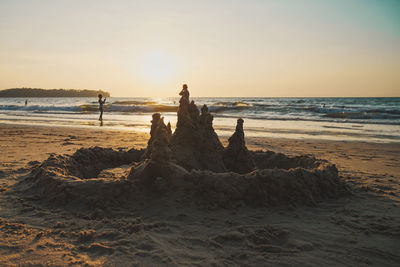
(347, 119)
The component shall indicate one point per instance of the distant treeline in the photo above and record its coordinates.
(37, 92)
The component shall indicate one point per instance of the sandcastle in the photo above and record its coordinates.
(191, 164)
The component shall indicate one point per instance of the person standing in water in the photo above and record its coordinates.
(26, 102)
(101, 103)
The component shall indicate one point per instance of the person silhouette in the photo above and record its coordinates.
(185, 93)
(101, 103)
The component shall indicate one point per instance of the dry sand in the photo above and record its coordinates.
(357, 230)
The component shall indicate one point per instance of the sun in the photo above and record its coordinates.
(157, 67)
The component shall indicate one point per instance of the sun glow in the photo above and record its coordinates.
(157, 67)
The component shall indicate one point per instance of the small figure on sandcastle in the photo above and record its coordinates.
(184, 93)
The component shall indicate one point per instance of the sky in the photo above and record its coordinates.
(256, 48)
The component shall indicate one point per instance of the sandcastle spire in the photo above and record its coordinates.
(154, 124)
(160, 135)
(160, 150)
(169, 131)
(194, 144)
(237, 157)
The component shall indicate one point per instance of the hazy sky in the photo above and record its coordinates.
(219, 47)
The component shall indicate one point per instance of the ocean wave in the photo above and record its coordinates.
(130, 108)
(390, 111)
(363, 115)
(305, 118)
(234, 104)
(385, 111)
(345, 115)
(223, 106)
(89, 108)
(39, 108)
(333, 110)
(132, 102)
(217, 109)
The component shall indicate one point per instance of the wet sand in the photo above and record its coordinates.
(356, 230)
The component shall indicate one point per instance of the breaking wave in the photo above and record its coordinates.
(368, 110)
(130, 108)
(135, 103)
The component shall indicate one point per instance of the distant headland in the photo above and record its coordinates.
(38, 92)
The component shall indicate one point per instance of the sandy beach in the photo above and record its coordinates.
(360, 229)
(199, 133)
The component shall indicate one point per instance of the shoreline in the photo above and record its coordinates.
(224, 131)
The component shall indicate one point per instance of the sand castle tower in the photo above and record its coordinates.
(194, 144)
(160, 150)
(237, 157)
(157, 164)
(154, 124)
